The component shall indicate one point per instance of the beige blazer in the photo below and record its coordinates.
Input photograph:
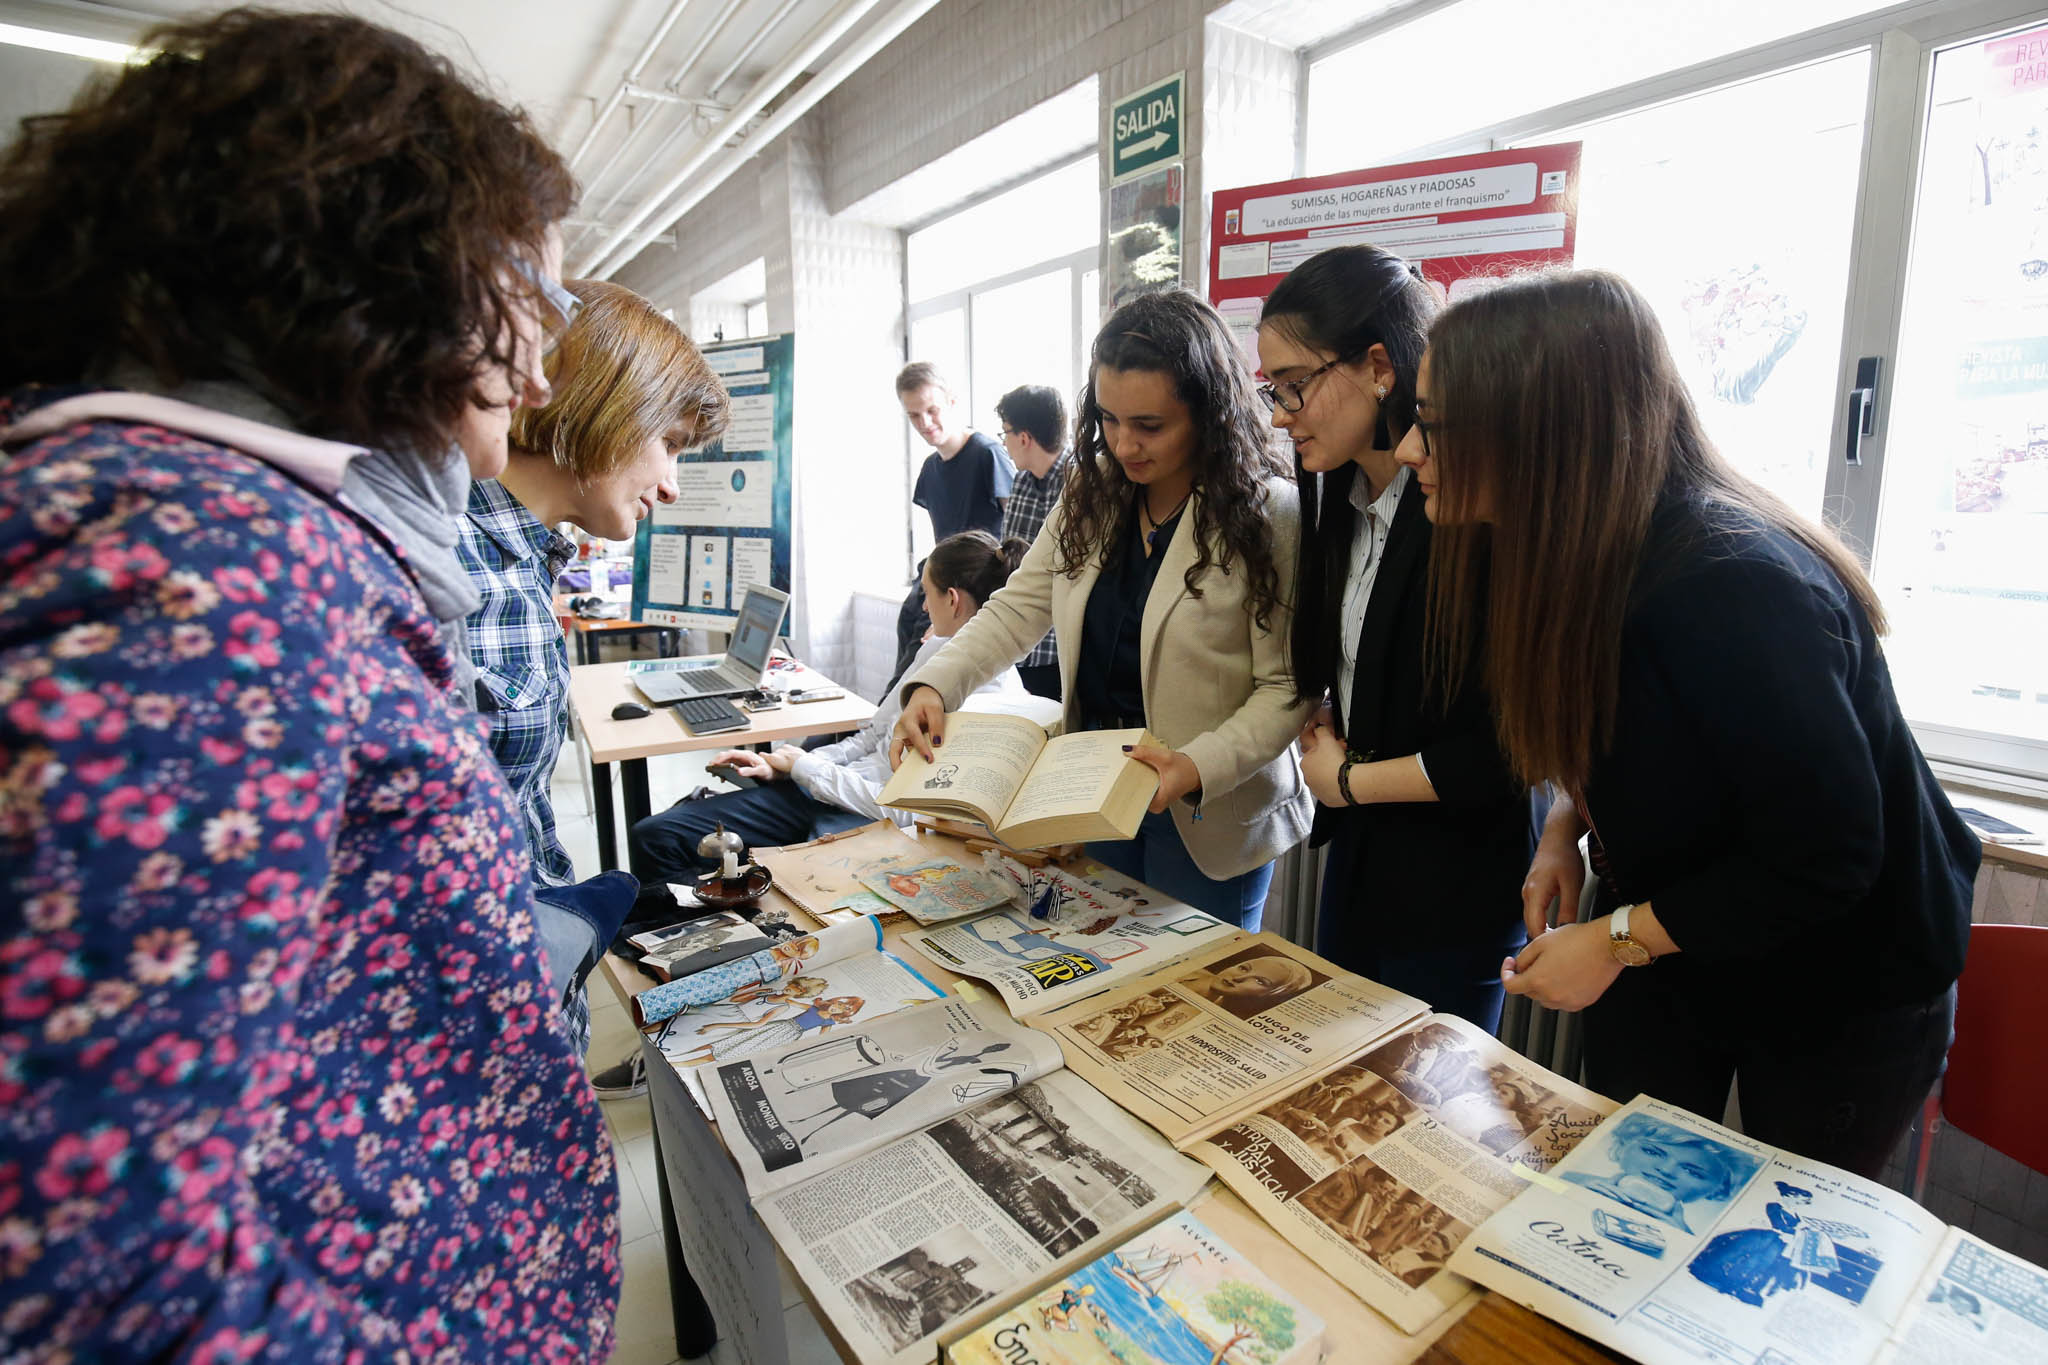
(1216, 687)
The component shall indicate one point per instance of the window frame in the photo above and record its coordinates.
(1903, 40)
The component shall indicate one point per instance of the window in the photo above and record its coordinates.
(995, 290)
(1761, 169)
(757, 318)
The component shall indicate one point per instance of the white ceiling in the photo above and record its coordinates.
(561, 59)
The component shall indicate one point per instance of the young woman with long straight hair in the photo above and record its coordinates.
(1166, 575)
(1784, 894)
(1427, 827)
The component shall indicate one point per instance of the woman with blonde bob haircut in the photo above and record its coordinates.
(1784, 892)
(630, 394)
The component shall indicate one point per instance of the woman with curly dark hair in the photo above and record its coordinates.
(282, 1079)
(1166, 574)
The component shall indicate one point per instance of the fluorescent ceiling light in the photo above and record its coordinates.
(97, 49)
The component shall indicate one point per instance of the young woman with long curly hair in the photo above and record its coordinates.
(1166, 575)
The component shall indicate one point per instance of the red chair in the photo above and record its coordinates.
(1993, 1088)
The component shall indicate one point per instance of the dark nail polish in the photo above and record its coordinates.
(1128, 748)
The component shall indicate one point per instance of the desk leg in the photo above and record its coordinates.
(639, 805)
(607, 823)
(695, 1330)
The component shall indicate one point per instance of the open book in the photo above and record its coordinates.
(916, 1169)
(1369, 1133)
(1030, 790)
(1673, 1239)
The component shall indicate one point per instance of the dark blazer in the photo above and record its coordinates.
(1763, 791)
(1419, 874)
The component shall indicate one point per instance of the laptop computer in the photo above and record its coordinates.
(740, 669)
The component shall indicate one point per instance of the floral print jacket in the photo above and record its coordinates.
(278, 1075)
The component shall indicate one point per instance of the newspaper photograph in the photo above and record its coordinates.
(1090, 940)
(1207, 1040)
(898, 1244)
(1976, 1305)
(779, 961)
(754, 1019)
(1381, 1167)
(1674, 1239)
(789, 1112)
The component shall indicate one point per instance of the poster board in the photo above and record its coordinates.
(1462, 219)
(694, 559)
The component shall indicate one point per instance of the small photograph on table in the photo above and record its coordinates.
(1138, 1025)
(908, 1297)
(1253, 981)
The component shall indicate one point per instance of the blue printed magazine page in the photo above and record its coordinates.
(900, 1242)
(1975, 1306)
(1175, 1294)
(1673, 1239)
(1380, 1167)
(1080, 932)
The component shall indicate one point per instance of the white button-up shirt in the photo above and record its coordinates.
(1368, 547)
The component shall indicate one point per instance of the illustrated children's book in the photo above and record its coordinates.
(1029, 790)
(1176, 1294)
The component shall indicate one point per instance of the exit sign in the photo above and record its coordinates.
(1144, 129)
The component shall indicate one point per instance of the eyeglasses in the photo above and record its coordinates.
(1422, 429)
(563, 304)
(1287, 394)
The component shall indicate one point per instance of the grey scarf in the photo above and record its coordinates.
(418, 503)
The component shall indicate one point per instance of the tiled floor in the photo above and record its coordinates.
(644, 1325)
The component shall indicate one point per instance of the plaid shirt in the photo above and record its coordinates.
(522, 664)
(1031, 501)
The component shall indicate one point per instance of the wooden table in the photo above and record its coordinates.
(723, 1280)
(583, 631)
(594, 689)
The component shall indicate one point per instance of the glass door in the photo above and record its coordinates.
(1961, 548)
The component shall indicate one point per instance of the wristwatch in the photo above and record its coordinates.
(1627, 951)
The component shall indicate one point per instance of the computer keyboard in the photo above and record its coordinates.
(710, 715)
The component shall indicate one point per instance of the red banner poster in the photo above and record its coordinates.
(1461, 218)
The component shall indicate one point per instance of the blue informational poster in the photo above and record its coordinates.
(694, 559)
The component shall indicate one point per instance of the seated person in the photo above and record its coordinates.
(630, 393)
(808, 793)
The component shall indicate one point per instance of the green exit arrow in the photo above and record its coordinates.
(1143, 144)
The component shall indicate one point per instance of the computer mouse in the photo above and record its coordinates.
(629, 710)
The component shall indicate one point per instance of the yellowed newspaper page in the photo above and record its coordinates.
(1976, 1305)
(1672, 1239)
(979, 767)
(1209, 1039)
(1381, 1167)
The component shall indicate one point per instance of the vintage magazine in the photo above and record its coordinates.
(1204, 1042)
(1100, 930)
(901, 1242)
(790, 1111)
(826, 872)
(1379, 1168)
(743, 979)
(1175, 1294)
(1673, 1239)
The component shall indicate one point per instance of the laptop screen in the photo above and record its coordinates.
(753, 634)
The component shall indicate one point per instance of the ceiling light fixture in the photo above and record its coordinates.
(95, 49)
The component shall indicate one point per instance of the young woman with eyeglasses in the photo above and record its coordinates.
(1784, 893)
(1166, 575)
(1428, 831)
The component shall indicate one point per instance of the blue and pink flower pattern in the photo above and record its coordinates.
(279, 1079)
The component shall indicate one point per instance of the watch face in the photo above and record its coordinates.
(1629, 953)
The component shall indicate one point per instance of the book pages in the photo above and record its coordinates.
(898, 1244)
(1380, 1168)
